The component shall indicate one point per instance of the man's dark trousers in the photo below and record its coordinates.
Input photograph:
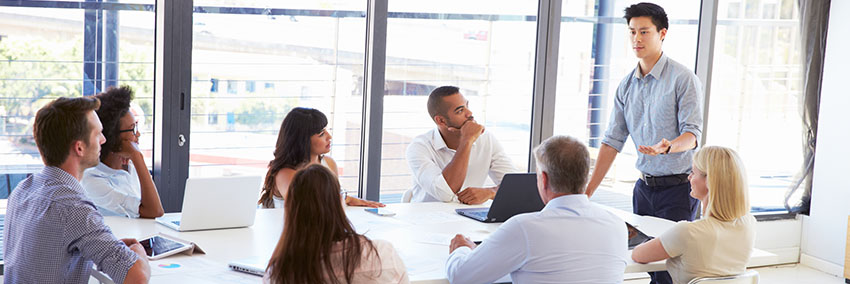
(673, 202)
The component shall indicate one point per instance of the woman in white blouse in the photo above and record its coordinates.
(720, 243)
(121, 184)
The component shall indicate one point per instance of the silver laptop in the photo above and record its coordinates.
(253, 265)
(216, 203)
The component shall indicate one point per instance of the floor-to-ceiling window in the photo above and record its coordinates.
(594, 55)
(52, 49)
(486, 48)
(755, 100)
(253, 62)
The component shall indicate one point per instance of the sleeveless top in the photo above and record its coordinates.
(277, 201)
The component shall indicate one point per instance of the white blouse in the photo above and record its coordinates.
(114, 192)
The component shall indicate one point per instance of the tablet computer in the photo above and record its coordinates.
(636, 237)
(158, 246)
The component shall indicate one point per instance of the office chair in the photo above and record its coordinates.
(406, 196)
(749, 277)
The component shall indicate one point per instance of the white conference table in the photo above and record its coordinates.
(420, 232)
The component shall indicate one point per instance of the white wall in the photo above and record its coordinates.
(825, 231)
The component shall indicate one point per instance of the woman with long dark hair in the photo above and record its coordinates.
(318, 243)
(302, 141)
(121, 184)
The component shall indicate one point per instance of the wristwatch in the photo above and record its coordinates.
(668, 149)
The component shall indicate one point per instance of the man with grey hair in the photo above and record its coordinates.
(570, 241)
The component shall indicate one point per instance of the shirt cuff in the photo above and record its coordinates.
(695, 131)
(441, 189)
(455, 259)
(460, 251)
(119, 263)
(617, 145)
(130, 206)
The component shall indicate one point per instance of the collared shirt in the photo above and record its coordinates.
(570, 241)
(114, 192)
(665, 103)
(54, 234)
(428, 155)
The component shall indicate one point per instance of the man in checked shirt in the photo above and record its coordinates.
(53, 231)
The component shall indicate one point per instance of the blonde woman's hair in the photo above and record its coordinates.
(726, 180)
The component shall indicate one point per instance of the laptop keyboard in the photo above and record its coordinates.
(478, 214)
(176, 223)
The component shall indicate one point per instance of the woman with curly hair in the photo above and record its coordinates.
(121, 184)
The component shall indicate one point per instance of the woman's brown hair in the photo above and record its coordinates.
(292, 149)
(314, 224)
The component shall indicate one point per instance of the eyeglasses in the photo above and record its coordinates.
(135, 129)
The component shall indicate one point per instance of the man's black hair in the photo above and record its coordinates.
(435, 100)
(644, 9)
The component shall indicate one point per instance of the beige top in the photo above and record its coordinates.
(388, 269)
(709, 247)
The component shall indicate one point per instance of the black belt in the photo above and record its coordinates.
(664, 180)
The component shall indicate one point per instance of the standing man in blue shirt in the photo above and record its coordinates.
(54, 234)
(660, 104)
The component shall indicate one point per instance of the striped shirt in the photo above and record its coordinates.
(54, 234)
(665, 103)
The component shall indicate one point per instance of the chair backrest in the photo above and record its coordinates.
(407, 196)
(749, 277)
(8, 182)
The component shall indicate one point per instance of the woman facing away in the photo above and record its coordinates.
(121, 184)
(302, 141)
(318, 243)
(721, 242)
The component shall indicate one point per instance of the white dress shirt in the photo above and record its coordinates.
(428, 155)
(570, 241)
(114, 192)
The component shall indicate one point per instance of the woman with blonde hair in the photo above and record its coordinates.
(318, 243)
(721, 242)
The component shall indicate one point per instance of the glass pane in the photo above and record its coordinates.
(756, 94)
(486, 48)
(48, 54)
(595, 54)
(251, 64)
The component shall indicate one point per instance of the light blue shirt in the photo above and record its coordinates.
(570, 241)
(665, 103)
(54, 234)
